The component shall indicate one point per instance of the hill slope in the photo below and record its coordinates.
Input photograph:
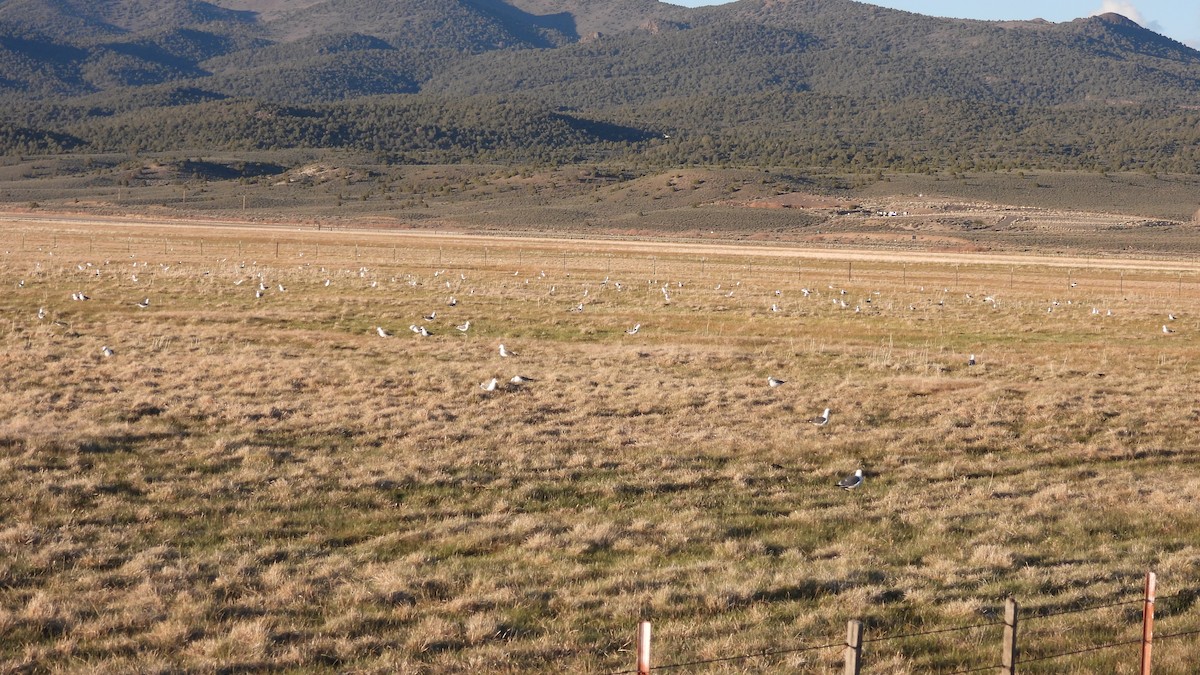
(794, 81)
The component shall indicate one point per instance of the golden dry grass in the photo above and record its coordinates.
(253, 484)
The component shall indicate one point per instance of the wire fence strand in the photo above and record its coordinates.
(741, 657)
(1035, 614)
(994, 666)
(1027, 615)
(1185, 633)
(1085, 650)
(956, 629)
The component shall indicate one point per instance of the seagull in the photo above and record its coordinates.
(107, 351)
(774, 307)
(144, 303)
(775, 381)
(423, 332)
(520, 379)
(281, 288)
(822, 420)
(327, 282)
(21, 283)
(464, 327)
(258, 293)
(41, 313)
(382, 332)
(852, 481)
(1167, 331)
(971, 361)
(577, 308)
(504, 353)
(635, 329)
(452, 302)
(490, 385)
(1171, 317)
(432, 316)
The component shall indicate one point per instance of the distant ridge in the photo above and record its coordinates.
(798, 81)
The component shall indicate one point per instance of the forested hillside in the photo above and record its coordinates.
(830, 83)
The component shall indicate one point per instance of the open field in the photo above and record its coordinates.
(264, 483)
(1066, 213)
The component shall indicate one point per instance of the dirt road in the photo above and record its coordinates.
(106, 225)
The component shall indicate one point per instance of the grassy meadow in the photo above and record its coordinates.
(265, 483)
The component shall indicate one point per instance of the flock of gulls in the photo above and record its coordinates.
(864, 304)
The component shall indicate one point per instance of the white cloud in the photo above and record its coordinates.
(1122, 7)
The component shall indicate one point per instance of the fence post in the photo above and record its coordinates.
(854, 635)
(1008, 658)
(1148, 622)
(643, 648)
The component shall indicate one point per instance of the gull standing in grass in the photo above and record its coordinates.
(107, 351)
(464, 327)
(504, 353)
(382, 333)
(852, 481)
(1166, 330)
(634, 330)
(432, 316)
(971, 361)
(775, 382)
(490, 385)
(41, 313)
(822, 420)
(144, 303)
(520, 379)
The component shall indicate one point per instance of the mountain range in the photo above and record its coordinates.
(803, 82)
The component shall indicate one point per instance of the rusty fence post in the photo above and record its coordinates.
(1148, 622)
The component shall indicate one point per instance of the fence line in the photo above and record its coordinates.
(1091, 608)
(1094, 648)
(1010, 658)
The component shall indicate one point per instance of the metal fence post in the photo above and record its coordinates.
(643, 648)
(1148, 622)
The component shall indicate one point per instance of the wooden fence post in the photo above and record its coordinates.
(643, 648)
(1008, 658)
(854, 639)
(1148, 622)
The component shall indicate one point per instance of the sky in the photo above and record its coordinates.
(1177, 19)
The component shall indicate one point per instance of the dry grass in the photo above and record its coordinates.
(267, 484)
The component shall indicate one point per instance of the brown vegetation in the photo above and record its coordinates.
(255, 483)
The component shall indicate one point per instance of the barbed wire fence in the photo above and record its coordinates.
(853, 646)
